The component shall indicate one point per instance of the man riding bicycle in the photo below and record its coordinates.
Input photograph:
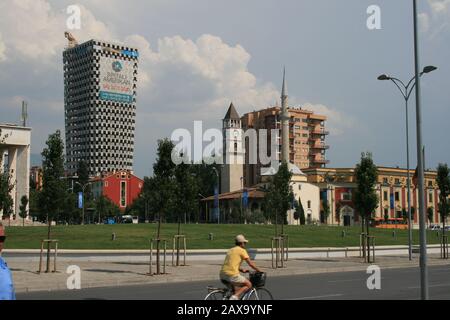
(231, 268)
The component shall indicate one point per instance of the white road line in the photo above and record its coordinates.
(433, 286)
(347, 280)
(318, 297)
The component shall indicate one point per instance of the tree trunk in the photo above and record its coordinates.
(276, 224)
(368, 242)
(363, 237)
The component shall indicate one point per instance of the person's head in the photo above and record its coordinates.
(240, 240)
(2, 236)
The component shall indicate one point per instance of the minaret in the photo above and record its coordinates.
(284, 122)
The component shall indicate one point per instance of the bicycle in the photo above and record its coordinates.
(257, 292)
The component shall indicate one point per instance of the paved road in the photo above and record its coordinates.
(395, 284)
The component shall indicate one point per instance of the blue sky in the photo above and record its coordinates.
(198, 55)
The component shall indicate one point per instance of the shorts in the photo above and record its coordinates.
(237, 279)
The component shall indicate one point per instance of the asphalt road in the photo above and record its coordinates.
(396, 284)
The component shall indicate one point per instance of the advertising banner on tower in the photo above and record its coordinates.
(116, 80)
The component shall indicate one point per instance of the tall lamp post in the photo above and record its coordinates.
(406, 91)
(218, 201)
(83, 187)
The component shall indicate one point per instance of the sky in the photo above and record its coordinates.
(197, 56)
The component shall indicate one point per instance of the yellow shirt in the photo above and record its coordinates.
(233, 261)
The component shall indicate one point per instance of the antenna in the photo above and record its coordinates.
(24, 113)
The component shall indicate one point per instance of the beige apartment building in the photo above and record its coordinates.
(306, 139)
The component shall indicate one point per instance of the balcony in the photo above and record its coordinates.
(319, 161)
(319, 146)
(320, 132)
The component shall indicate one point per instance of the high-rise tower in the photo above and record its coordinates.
(232, 173)
(100, 80)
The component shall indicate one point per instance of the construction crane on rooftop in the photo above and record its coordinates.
(72, 41)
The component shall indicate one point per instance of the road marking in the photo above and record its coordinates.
(433, 286)
(318, 297)
(347, 280)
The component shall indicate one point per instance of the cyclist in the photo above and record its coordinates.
(231, 268)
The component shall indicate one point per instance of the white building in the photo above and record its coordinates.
(15, 156)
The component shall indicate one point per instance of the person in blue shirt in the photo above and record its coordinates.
(6, 281)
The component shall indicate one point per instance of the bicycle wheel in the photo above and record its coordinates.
(215, 295)
(260, 294)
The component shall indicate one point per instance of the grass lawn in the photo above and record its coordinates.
(129, 236)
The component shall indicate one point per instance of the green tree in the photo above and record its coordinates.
(54, 188)
(443, 181)
(105, 208)
(23, 208)
(163, 191)
(326, 210)
(299, 213)
(430, 213)
(186, 201)
(279, 197)
(366, 199)
(83, 180)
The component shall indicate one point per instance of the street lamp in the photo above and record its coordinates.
(406, 91)
(218, 201)
(83, 187)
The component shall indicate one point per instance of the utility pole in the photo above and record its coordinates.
(422, 221)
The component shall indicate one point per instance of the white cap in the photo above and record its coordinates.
(241, 239)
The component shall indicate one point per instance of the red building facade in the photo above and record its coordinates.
(121, 187)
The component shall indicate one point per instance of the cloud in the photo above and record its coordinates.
(337, 123)
(2, 49)
(437, 19)
(180, 79)
(34, 31)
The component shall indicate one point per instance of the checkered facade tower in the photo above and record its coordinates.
(100, 81)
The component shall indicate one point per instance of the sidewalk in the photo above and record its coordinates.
(121, 273)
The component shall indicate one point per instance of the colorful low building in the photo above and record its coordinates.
(121, 187)
(338, 185)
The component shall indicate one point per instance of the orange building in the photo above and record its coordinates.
(121, 187)
(306, 138)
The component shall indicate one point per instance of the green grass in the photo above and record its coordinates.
(130, 236)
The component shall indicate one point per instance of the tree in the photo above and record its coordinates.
(299, 213)
(443, 181)
(326, 210)
(430, 213)
(83, 180)
(279, 197)
(163, 191)
(366, 199)
(23, 208)
(54, 188)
